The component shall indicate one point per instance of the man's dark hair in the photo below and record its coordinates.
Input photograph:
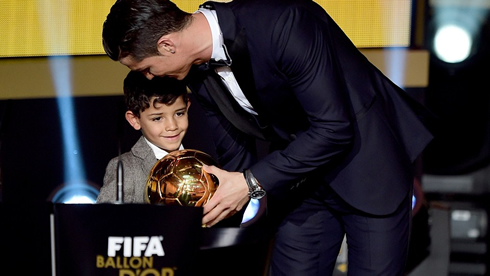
(138, 91)
(133, 27)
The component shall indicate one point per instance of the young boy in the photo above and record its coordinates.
(158, 108)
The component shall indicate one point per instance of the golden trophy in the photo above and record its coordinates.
(178, 179)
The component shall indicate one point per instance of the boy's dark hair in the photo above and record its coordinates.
(133, 27)
(138, 90)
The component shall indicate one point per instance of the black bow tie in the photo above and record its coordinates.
(211, 64)
(218, 63)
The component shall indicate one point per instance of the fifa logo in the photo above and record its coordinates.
(137, 256)
(135, 246)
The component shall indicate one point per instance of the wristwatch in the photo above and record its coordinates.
(255, 191)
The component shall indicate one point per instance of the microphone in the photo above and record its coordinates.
(120, 170)
(120, 180)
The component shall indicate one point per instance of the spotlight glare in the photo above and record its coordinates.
(77, 199)
(251, 210)
(75, 193)
(452, 44)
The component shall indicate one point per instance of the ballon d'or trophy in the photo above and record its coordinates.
(178, 179)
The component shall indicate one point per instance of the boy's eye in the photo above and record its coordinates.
(180, 114)
(157, 119)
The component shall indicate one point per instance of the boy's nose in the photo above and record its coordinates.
(171, 126)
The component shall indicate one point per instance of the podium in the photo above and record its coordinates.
(125, 240)
(142, 239)
(25, 238)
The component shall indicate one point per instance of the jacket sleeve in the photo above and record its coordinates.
(107, 192)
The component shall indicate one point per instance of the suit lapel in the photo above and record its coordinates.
(235, 40)
(242, 68)
(230, 108)
(142, 150)
(236, 45)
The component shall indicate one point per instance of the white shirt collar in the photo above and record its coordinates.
(218, 51)
(159, 153)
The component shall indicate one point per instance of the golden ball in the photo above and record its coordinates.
(178, 179)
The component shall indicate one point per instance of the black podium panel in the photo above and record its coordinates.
(25, 238)
(234, 251)
(126, 240)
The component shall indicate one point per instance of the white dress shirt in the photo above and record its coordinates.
(219, 54)
(159, 153)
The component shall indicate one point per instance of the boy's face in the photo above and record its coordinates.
(163, 125)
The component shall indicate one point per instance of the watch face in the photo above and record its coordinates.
(258, 194)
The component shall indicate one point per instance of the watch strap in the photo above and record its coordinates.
(255, 191)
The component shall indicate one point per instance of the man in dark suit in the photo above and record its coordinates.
(343, 137)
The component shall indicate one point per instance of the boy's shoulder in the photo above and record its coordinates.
(139, 150)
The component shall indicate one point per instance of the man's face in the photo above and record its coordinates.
(170, 65)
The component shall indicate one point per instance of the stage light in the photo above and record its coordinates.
(455, 31)
(75, 193)
(254, 211)
(251, 210)
(452, 43)
(458, 37)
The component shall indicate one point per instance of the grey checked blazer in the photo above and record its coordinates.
(137, 164)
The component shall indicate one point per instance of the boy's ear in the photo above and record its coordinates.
(133, 120)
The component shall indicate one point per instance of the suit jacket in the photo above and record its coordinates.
(332, 115)
(137, 164)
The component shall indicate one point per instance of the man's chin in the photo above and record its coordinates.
(180, 76)
(177, 77)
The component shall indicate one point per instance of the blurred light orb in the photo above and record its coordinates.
(452, 43)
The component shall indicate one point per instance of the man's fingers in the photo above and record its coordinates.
(215, 210)
(228, 199)
(216, 215)
(211, 204)
(210, 169)
(211, 214)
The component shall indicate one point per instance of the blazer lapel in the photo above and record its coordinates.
(236, 45)
(229, 107)
(235, 40)
(242, 68)
(142, 150)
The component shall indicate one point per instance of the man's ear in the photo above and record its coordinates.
(166, 45)
(133, 120)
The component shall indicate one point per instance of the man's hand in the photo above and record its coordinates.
(229, 198)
